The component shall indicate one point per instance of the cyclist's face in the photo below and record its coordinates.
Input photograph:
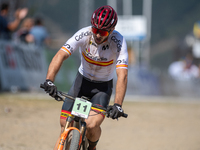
(100, 35)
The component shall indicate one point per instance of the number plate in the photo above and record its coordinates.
(81, 108)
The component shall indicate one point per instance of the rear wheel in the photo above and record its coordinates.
(72, 141)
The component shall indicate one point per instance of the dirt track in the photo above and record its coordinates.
(33, 123)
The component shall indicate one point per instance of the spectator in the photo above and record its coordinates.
(23, 33)
(199, 69)
(196, 42)
(184, 69)
(7, 27)
(39, 33)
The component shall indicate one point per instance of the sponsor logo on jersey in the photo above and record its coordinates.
(68, 48)
(105, 47)
(80, 36)
(99, 61)
(121, 64)
(118, 42)
(96, 58)
(123, 61)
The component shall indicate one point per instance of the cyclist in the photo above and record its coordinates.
(102, 50)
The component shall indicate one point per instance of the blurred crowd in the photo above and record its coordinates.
(184, 69)
(22, 28)
(188, 67)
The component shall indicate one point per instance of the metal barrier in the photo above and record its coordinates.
(22, 66)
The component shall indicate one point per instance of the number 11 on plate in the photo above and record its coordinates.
(81, 108)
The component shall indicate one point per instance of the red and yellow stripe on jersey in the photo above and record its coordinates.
(65, 49)
(122, 66)
(98, 63)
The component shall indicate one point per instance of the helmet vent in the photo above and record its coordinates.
(104, 18)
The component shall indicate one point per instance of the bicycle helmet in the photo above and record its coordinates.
(104, 18)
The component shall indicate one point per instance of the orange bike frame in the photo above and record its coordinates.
(64, 136)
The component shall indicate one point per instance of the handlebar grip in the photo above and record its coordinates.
(42, 86)
(58, 97)
(125, 115)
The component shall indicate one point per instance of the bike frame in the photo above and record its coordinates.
(79, 125)
(80, 122)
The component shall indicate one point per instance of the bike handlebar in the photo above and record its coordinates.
(60, 98)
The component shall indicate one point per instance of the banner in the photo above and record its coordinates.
(21, 66)
(132, 27)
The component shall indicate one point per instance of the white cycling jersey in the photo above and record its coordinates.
(98, 62)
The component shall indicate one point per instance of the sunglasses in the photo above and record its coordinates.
(101, 32)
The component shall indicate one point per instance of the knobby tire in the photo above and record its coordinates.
(84, 144)
(73, 143)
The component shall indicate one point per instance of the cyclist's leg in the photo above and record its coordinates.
(93, 128)
(95, 119)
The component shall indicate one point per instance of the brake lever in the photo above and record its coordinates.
(59, 96)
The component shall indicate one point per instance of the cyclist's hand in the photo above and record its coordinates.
(114, 111)
(50, 88)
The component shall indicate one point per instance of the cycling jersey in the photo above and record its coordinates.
(98, 62)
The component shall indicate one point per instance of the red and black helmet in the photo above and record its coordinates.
(104, 18)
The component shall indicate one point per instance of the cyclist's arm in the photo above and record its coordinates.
(66, 50)
(56, 64)
(121, 85)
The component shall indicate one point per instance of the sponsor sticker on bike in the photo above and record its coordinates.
(81, 108)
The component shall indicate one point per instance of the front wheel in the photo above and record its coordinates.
(84, 144)
(72, 142)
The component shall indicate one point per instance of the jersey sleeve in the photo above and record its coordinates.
(76, 40)
(122, 60)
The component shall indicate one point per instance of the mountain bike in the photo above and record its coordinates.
(73, 136)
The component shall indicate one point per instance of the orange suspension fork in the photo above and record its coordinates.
(64, 136)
